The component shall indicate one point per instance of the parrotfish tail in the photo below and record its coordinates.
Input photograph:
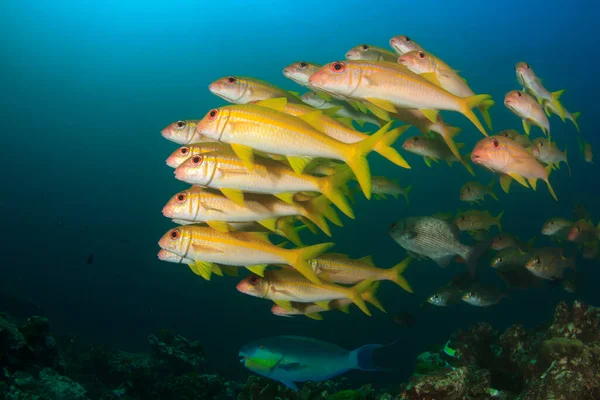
(299, 258)
(557, 105)
(362, 358)
(497, 220)
(474, 254)
(334, 186)
(466, 108)
(370, 296)
(355, 155)
(384, 148)
(574, 117)
(318, 209)
(396, 274)
(485, 113)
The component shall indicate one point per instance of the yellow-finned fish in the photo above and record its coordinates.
(500, 154)
(312, 310)
(403, 44)
(184, 132)
(242, 90)
(526, 108)
(345, 134)
(383, 186)
(533, 85)
(433, 149)
(180, 155)
(228, 173)
(167, 256)
(390, 86)
(204, 205)
(285, 285)
(345, 111)
(549, 153)
(372, 53)
(265, 127)
(436, 71)
(208, 246)
(473, 220)
(300, 71)
(340, 268)
(523, 140)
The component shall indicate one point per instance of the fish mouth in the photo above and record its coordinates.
(476, 158)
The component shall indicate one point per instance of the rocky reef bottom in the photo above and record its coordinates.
(561, 361)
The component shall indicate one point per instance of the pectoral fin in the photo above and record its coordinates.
(519, 179)
(220, 226)
(285, 304)
(246, 154)
(235, 195)
(383, 104)
(505, 182)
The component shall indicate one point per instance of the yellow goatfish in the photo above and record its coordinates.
(184, 132)
(180, 155)
(284, 286)
(265, 127)
(340, 268)
(204, 205)
(227, 173)
(219, 270)
(368, 52)
(242, 90)
(252, 250)
(436, 71)
(312, 310)
(500, 154)
(390, 86)
(345, 134)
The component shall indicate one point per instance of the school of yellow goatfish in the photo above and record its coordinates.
(274, 162)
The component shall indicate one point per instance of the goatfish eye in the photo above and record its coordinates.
(537, 260)
(175, 234)
(231, 79)
(365, 47)
(183, 151)
(180, 124)
(303, 64)
(254, 279)
(519, 94)
(338, 67)
(407, 39)
(421, 54)
(197, 160)
(495, 143)
(212, 114)
(181, 198)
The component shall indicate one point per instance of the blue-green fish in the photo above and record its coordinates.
(290, 359)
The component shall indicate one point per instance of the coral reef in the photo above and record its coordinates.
(560, 362)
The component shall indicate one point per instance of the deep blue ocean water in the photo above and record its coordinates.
(88, 86)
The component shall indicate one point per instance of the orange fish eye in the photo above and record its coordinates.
(254, 279)
(338, 67)
(175, 234)
(519, 94)
(231, 79)
(495, 143)
(197, 160)
(212, 114)
(181, 198)
(180, 124)
(421, 54)
(183, 151)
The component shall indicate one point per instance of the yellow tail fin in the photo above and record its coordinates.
(396, 274)
(548, 169)
(485, 113)
(334, 186)
(355, 155)
(317, 210)
(370, 296)
(574, 117)
(557, 104)
(298, 259)
(466, 108)
(355, 294)
(384, 148)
